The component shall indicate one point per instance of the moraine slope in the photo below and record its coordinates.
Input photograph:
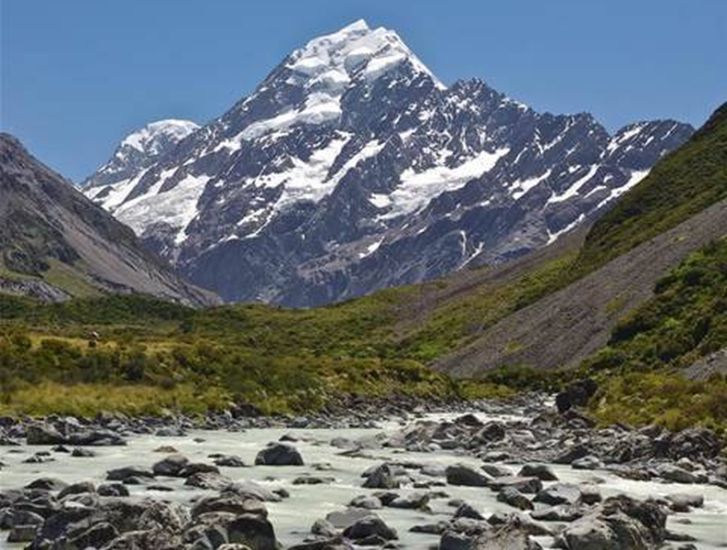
(55, 243)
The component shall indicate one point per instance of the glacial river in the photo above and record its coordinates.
(293, 517)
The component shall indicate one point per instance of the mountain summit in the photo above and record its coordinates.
(351, 167)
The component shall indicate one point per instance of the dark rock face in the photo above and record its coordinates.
(576, 394)
(346, 172)
(44, 219)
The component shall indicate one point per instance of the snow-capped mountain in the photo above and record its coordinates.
(111, 183)
(351, 167)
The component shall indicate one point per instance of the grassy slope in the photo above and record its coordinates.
(278, 359)
(686, 320)
(684, 183)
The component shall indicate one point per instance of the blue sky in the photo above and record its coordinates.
(77, 75)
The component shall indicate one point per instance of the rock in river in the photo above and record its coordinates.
(279, 454)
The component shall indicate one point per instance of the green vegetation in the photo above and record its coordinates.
(278, 360)
(685, 321)
(682, 184)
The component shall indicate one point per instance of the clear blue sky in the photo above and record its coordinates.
(77, 75)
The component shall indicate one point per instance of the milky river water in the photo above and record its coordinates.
(293, 517)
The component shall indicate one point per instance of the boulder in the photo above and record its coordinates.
(412, 501)
(619, 523)
(684, 502)
(279, 454)
(542, 471)
(588, 462)
(323, 528)
(513, 497)
(208, 480)
(576, 394)
(368, 502)
(47, 484)
(559, 493)
(496, 471)
(77, 488)
(112, 490)
(672, 472)
(509, 537)
(522, 484)
(123, 474)
(43, 434)
(460, 474)
(231, 503)
(466, 510)
(561, 512)
(229, 461)
(170, 465)
(382, 477)
(369, 526)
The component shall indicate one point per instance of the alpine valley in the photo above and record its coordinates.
(351, 168)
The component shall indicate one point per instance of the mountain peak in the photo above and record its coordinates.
(148, 136)
(355, 48)
(138, 150)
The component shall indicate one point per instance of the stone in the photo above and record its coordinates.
(672, 472)
(229, 461)
(522, 484)
(170, 465)
(96, 536)
(588, 462)
(323, 528)
(576, 394)
(466, 510)
(112, 490)
(312, 480)
(460, 474)
(509, 537)
(382, 477)
(77, 488)
(513, 497)
(454, 541)
(252, 530)
(346, 518)
(79, 452)
(43, 434)
(47, 484)
(229, 502)
(279, 454)
(494, 470)
(368, 526)
(369, 502)
(208, 480)
(559, 493)
(542, 471)
(122, 474)
(684, 502)
(561, 512)
(411, 501)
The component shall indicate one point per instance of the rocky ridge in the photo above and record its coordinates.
(351, 167)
